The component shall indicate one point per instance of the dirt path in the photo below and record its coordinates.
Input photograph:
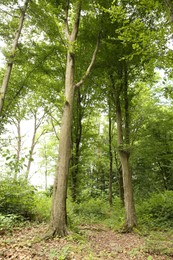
(94, 242)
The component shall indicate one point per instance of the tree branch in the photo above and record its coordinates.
(90, 65)
(66, 18)
(170, 6)
(74, 32)
(7, 75)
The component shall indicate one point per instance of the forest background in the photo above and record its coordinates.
(86, 100)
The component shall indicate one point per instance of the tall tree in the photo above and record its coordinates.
(58, 224)
(133, 28)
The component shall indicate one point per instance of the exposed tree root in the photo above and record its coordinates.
(128, 229)
(52, 233)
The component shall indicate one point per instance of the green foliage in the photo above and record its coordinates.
(21, 199)
(7, 222)
(95, 210)
(157, 211)
(16, 197)
(13, 165)
(42, 206)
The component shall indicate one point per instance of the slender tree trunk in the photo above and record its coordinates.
(6, 78)
(35, 139)
(121, 186)
(33, 143)
(46, 170)
(76, 144)
(19, 140)
(120, 179)
(110, 159)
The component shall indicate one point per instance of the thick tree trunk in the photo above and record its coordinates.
(6, 78)
(128, 192)
(124, 153)
(58, 225)
(130, 221)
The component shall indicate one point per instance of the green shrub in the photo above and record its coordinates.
(16, 197)
(42, 206)
(157, 211)
(7, 222)
(96, 210)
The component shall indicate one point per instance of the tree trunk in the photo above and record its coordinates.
(33, 143)
(6, 78)
(110, 159)
(58, 223)
(19, 144)
(46, 170)
(124, 153)
(58, 226)
(76, 144)
(128, 192)
(130, 221)
(121, 186)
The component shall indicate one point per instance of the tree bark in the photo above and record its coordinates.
(121, 186)
(58, 218)
(17, 124)
(33, 143)
(123, 141)
(7, 75)
(76, 144)
(110, 159)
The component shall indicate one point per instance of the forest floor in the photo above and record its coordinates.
(93, 241)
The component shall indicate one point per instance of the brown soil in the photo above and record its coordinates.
(94, 242)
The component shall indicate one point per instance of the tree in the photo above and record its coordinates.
(129, 41)
(58, 225)
(6, 78)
